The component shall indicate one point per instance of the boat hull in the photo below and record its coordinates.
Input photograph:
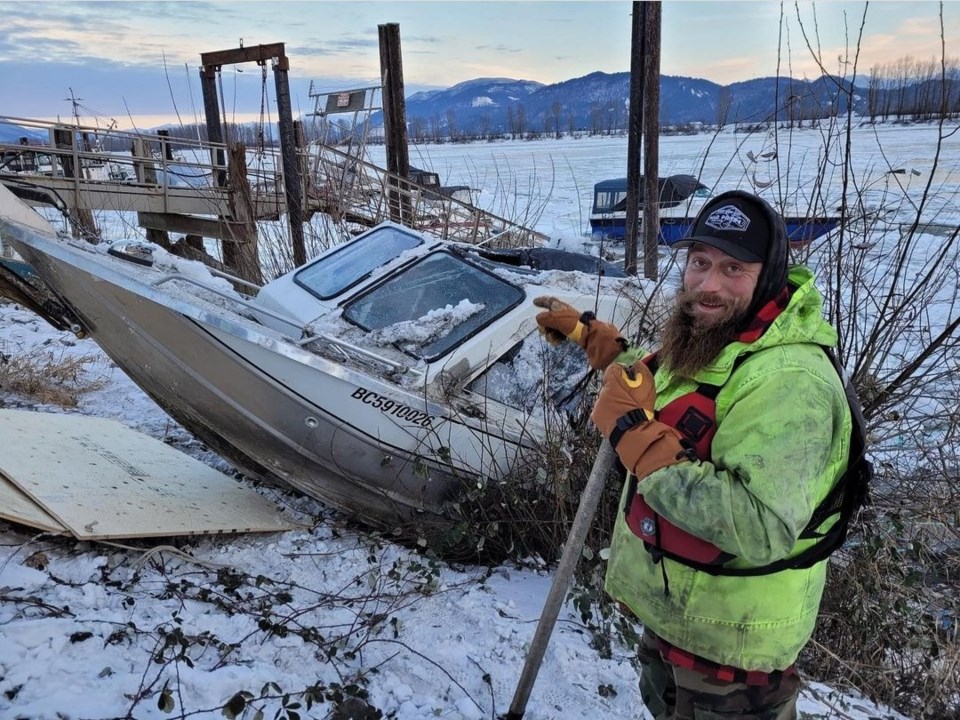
(672, 229)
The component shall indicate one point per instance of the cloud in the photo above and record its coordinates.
(79, 37)
(499, 48)
(426, 39)
(926, 27)
(329, 48)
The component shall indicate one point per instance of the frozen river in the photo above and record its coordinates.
(549, 183)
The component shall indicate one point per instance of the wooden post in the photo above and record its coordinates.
(291, 166)
(81, 218)
(651, 139)
(147, 173)
(303, 161)
(166, 149)
(240, 253)
(394, 121)
(211, 109)
(634, 135)
(144, 167)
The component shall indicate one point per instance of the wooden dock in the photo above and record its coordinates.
(183, 185)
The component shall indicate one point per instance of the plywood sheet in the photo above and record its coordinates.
(20, 508)
(102, 480)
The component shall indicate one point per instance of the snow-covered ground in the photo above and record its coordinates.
(95, 630)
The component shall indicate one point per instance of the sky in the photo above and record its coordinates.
(131, 60)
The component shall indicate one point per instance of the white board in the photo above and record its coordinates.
(20, 508)
(102, 480)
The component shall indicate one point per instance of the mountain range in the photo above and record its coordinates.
(11, 134)
(598, 102)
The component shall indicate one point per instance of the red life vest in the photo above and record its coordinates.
(694, 416)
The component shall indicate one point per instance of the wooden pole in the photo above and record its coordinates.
(240, 252)
(166, 149)
(651, 139)
(634, 136)
(291, 165)
(81, 218)
(572, 550)
(394, 120)
(303, 162)
(211, 109)
(146, 173)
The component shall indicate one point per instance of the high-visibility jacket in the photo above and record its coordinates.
(782, 441)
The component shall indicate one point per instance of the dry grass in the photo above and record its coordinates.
(48, 377)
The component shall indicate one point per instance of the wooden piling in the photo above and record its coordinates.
(166, 149)
(240, 253)
(395, 122)
(82, 224)
(651, 140)
(291, 165)
(146, 173)
(634, 137)
(644, 128)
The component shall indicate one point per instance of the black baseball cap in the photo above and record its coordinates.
(746, 227)
(735, 223)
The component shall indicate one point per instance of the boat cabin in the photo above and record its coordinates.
(610, 196)
(680, 197)
(435, 191)
(436, 304)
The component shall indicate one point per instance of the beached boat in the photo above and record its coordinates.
(681, 197)
(384, 377)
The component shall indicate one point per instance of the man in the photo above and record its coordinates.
(732, 435)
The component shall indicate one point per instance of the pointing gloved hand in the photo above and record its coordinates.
(560, 321)
(624, 414)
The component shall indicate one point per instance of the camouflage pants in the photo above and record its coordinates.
(671, 692)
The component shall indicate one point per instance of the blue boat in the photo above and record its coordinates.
(681, 197)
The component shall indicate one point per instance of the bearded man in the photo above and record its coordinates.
(732, 434)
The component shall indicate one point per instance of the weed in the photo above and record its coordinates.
(48, 377)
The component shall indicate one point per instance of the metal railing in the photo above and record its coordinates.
(110, 169)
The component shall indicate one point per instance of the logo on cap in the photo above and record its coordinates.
(729, 217)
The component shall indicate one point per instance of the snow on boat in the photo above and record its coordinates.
(383, 377)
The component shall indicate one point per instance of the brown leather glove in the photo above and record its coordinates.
(624, 414)
(601, 340)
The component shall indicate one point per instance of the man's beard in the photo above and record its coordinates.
(688, 343)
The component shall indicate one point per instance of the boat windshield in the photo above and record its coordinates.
(432, 306)
(605, 201)
(331, 274)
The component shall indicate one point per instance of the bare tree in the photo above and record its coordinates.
(596, 115)
(556, 109)
(890, 278)
(873, 93)
(724, 101)
(484, 126)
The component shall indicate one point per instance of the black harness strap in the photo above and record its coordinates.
(698, 424)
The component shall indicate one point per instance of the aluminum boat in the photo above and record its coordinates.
(384, 377)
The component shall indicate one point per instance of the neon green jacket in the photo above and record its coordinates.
(782, 441)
